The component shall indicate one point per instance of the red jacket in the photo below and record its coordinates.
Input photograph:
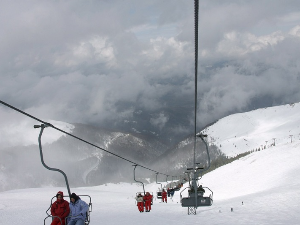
(60, 207)
(148, 198)
(164, 194)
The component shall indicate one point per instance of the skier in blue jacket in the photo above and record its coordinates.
(78, 209)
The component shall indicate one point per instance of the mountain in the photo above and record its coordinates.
(177, 159)
(85, 165)
(255, 130)
(234, 135)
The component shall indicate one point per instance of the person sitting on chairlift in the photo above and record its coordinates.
(148, 201)
(172, 191)
(59, 209)
(78, 210)
(140, 202)
(168, 192)
(164, 195)
(201, 190)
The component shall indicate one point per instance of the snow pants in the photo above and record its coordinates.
(164, 199)
(140, 206)
(148, 205)
(56, 221)
(76, 222)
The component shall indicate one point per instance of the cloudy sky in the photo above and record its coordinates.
(119, 63)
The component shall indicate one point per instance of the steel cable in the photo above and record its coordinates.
(78, 138)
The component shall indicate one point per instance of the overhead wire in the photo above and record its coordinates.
(78, 138)
(196, 8)
(196, 12)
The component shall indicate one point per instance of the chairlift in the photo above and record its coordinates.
(159, 192)
(196, 198)
(167, 181)
(178, 186)
(202, 200)
(142, 185)
(87, 219)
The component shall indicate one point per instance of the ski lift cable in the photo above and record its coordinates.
(196, 12)
(78, 138)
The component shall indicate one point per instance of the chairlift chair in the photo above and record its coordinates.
(178, 186)
(159, 195)
(141, 183)
(193, 201)
(87, 221)
(202, 200)
(159, 192)
(87, 218)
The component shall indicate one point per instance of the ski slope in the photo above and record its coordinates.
(256, 129)
(267, 182)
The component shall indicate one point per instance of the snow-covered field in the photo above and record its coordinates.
(267, 182)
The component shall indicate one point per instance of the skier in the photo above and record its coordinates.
(148, 201)
(59, 209)
(78, 210)
(140, 202)
(164, 195)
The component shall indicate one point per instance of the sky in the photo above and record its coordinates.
(260, 189)
(107, 62)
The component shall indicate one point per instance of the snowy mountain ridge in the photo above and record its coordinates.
(231, 135)
(20, 165)
(256, 129)
(236, 134)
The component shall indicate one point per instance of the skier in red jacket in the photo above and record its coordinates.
(164, 195)
(148, 201)
(60, 208)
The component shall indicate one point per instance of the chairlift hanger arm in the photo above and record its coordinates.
(208, 156)
(157, 182)
(43, 126)
(137, 180)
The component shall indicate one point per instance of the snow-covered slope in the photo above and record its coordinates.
(256, 129)
(262, 188)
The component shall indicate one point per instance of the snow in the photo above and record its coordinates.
(256, 129)
(261, 188)
(267, 182)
